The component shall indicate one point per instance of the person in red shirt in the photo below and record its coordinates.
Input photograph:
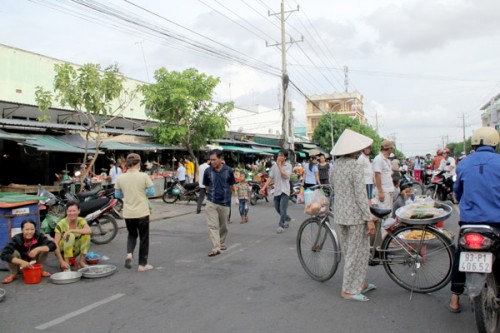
(437, 160)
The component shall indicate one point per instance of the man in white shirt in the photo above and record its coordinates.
(448, 164)
(383, 175)
(201, 172)
(364, 161)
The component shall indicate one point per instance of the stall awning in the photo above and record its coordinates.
(112, 145)
(50, 143)
(246, 150)
(301, 154)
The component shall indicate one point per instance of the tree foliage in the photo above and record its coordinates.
(322, 135)
(457, 148)
(89, 92)
(182, 104)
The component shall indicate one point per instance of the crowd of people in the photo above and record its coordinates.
(358, 181)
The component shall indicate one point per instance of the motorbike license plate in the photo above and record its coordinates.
(476, 262)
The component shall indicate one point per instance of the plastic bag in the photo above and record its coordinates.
(316, 203)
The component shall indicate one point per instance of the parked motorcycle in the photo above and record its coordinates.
(416, 187)
(96, 212)
(480, 244)
(176, 191)
(438, 190)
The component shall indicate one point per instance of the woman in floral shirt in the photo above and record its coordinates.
(352, 214)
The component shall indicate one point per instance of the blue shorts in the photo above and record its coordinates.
(369, 190)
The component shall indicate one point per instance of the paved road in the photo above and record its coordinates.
(257, 285)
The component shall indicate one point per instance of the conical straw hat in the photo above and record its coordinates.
(350, 142)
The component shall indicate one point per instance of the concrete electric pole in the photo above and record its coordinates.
(287, 124)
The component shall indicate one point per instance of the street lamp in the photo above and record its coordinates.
(331, 116)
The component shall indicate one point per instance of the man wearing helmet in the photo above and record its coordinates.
(448, 165)
(437, 160)
(478, 190)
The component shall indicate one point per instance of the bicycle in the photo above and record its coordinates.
(421, 265)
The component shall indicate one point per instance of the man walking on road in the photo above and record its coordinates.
(219, 181)
(201, 172)
(383, 175)
(280, 173)
(134, 187)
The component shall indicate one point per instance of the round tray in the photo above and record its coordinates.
(97, 271)
(433, 220)
(65, 277)
(2, 294)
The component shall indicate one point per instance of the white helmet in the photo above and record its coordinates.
(485, 136)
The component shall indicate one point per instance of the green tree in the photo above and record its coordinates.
(183, 105)
(91, 93)
(457, 148)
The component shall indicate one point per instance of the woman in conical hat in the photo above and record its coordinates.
(352, 214)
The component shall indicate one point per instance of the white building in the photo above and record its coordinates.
(490, 115)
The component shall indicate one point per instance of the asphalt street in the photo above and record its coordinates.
(257, 285)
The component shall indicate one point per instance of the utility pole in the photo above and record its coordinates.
(346, 78)
(287, 124)
(376, 122)
(463, 132)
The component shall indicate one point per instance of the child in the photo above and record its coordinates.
(243, 197)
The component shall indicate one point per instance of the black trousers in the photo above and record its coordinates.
(201, 197)
(138, 228)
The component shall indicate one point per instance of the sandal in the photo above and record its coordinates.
(368, 288)
(214, 253)
(145, 268)
(357, 297)
(9, 279)
(128, 263)
(46, 274)
(223, 247)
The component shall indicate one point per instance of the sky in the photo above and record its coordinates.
(424, 67)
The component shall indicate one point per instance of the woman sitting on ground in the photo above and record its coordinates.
(30, 245)
(72, 237)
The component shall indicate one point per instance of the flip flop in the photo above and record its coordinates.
(357, 297)
(369, 288)
(128, 263)
(223, 247)
(453, 310)
(9, 279)
(46, 274)
(214, 253)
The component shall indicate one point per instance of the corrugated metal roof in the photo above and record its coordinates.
(50, 143)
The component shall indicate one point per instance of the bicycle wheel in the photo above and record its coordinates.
(422, 265)
(169, 197)
(320, 258)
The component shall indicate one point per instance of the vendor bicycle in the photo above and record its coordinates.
(417, 257)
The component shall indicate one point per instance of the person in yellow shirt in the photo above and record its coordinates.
(189, 170)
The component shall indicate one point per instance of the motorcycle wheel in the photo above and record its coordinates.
(104, 229)
(417, 189)
(117, 209)
(431, 192)
(487, 316)
(169, 197)
(253, 197)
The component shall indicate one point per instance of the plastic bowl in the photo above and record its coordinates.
(92, 261)
(33, 275)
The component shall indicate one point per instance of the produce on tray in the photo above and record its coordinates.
(421, 211)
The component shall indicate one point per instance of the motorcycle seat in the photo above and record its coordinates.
(91, 206)
(83, 195)
(380, 212)
(191, 186)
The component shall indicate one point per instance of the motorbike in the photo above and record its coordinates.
(427, 174)
(295, 191)
(255, 188)
(479, 259)
(96, 212)
(438, 189)
(176, 191)
(416, 187)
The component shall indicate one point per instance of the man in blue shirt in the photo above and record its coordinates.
(219, 182)
(478, 190)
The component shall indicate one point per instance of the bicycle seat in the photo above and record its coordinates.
(380, 212)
